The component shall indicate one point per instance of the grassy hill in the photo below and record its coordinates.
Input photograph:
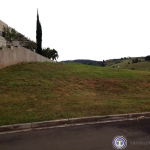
(47, 91)
(127, 64)
(124, 63)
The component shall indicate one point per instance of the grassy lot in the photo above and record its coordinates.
(47, 91)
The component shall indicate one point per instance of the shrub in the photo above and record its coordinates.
(135, 60)
(117, 61)
(147, 58)
(103, 64)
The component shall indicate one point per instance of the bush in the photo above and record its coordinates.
(117, 61)
(128, 62)
(147, 58)
(132, 69)
(103, 64)
(135, 60)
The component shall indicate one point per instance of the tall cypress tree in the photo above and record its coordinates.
(38, 36)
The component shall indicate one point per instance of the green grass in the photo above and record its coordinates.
(47, 91)
(127, 64)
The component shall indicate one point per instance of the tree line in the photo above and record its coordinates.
(147, 58)
(136, 60)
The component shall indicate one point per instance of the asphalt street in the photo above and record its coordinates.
(86, 137)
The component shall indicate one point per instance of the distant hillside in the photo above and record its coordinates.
(123, 63)
(127, 63)
(86, 61)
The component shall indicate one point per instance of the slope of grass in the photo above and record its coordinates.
(47, 91)
(143, 66)
(127, 64)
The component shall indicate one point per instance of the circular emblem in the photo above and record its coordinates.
(119, 142)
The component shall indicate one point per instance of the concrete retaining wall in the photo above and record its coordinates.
(2, 41)
(18, 55)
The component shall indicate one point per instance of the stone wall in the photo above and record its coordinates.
(18, 55)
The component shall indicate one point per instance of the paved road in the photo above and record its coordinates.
(87, 137)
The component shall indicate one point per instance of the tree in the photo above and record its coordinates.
(54, 54)
(147, 58)
(38, 36)
(103, 64)
(135, 60)
(46, 53)
(10, 34)
(50, 53)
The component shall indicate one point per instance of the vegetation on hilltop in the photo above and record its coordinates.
(147, 58)
(50, 53)
(10, 34)
(87, 62)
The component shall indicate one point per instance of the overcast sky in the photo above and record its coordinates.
(84, 29)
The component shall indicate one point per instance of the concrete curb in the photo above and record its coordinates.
(74, 121)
